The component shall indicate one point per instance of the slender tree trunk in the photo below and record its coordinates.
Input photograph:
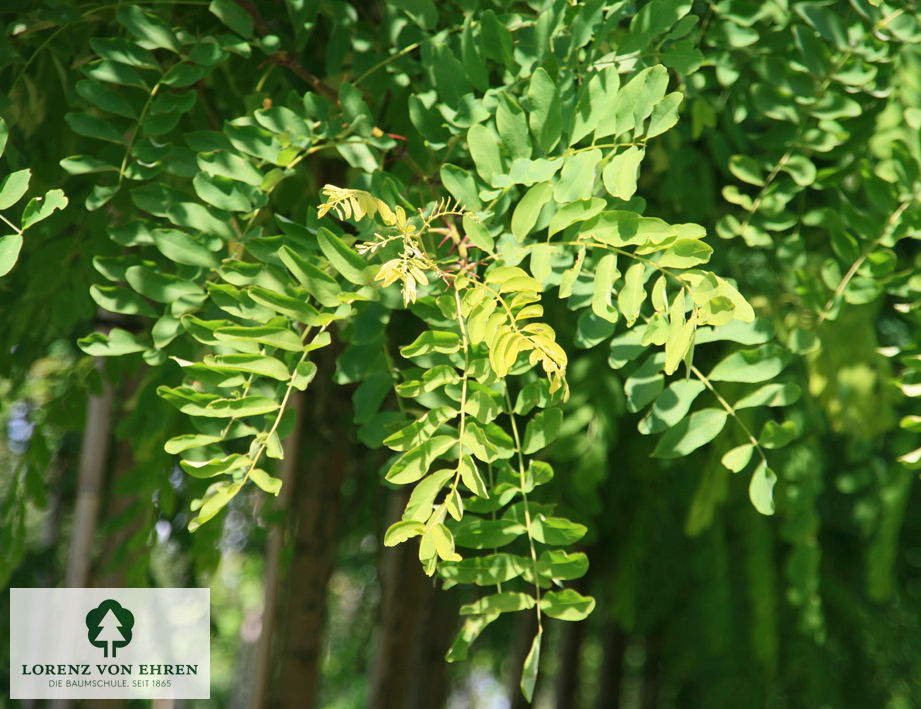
(402, 589)
(93, 455)
(438, 615)
(567, 679)
(612, 667)
(316, 506)
(263, 652)
(414, 629)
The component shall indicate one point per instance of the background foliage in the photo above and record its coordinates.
(605, 313)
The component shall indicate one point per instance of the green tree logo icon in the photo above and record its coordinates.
(109, 626)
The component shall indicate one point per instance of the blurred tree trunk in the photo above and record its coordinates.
(567, 678)
(94, 452)
(414, 629)
(315, 506)
(612, 667)
(275, 544)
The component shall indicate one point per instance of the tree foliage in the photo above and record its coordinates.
(549, 244)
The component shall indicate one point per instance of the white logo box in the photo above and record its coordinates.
(165, 653)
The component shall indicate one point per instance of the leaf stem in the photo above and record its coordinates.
(527, 511)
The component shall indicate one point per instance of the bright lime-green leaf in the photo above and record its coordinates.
(257, 364)
(475, 533)
(505, 602)
(274, 336)
(471, 477)
(39, 208)
(399, 532)
(117, 299)
(234, 16)
(85, 164)
(432, 341)
(444, 543)
(747, 169)
(13, 187)
(621, 173)
(605, 274)
(183, 248)
(530, 668)
(485, 570)
(770, 395)
(562, 565)
(421, 429)
(542, 430)
(512, 125)
(161, 287)
(557, 531)
(215, 467)
(632, 294)
(567, 605)
(546, 118)
(420, 503)
(470, 631)
(479, 236)
(671, 406)
(462, 186)
(577, 178)
(685, 253)
(737, 458)
(777, 435)
(664, 114)
(483, 144)
(348, 263)
(244, 406)
(691, 433)
(415, 463)
(215, 499)
(318, 283)
(221, 192)
(761, 489)
(10, 247)
(117, 342)
(265, 482)
(755, 365)
(528, 209)
(178, 444)
(147, 27)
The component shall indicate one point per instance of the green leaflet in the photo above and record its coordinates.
(528, 209)
(415, 463)
(10, 246)
(621, 173)
(755, 365)
(541, 430)
(737, 458)
(343, 259)
(691, 433)
(13, 187)
(761, 489)
(567, 605)
(506, 602)
(529, 671)
(545, 118)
